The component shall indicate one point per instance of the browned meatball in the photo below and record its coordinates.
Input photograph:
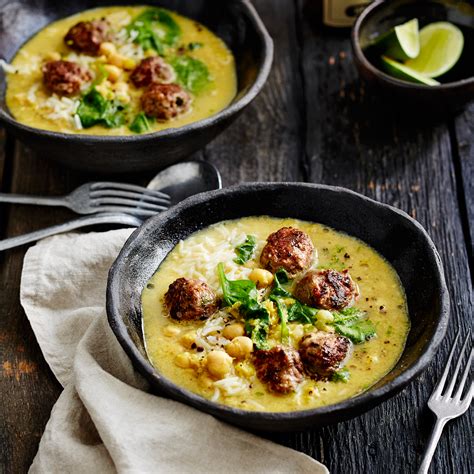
(323, 353)
(328, 289)
(64, 77)
(87, 36)
(188, 299)
(287, 248)
(280, 368)
(151, 70)
(165, 101)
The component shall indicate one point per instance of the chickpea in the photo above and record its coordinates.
(325, 316)
(171, 330)
(183, 360)
(113, 72)
(107, 49)
(117, 60)
(261, 277)
(324, 327)
(218, 364)
(233, 330)
(240, 347)
(297, 332)
(129, 64)
(188, 339)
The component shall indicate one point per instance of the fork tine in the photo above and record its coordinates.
(450, 389)
(129, 210)
(458, 394)
(127, 202)
(440, 385)
(128, 187)
(128, 194)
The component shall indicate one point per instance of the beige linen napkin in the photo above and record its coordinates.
(104, 420)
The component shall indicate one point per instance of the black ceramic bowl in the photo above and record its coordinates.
(235, 21)
(399, 238)
(457, 87)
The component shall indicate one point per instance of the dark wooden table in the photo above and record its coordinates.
(313, 122)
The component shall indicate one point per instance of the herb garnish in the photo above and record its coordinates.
(155, 29)
(94, 108)
(192, 74)
(245, 250)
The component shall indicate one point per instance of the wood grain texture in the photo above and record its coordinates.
(313, 121)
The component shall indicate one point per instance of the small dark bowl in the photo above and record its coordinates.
(399, 238)
(235, 21)
(457, 87)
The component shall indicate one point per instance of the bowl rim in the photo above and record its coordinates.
(359, 54)
(368, 398)
(175, 132)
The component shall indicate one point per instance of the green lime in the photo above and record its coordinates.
(401, 42)
(401, 71)
(441, 46)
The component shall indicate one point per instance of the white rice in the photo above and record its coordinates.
(231, 386)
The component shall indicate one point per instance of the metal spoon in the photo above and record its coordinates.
(178, 181)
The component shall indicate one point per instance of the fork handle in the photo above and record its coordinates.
(123, 219)
(432, 444)
(29, 199)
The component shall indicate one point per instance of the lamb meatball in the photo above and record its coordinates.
(188, 299)
(287, 248)
(64, 77)
(165, 101)
(151, 70)
(280, 368)
(87, 36)
(323, 353)
(328, 289)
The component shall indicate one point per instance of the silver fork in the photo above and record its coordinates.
(91, 198)
(448, 406)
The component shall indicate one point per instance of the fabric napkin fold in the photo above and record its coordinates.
(105, 420)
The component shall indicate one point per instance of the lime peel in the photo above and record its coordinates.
(401, 71)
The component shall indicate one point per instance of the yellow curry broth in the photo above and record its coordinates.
(214, 53)
(381, 296)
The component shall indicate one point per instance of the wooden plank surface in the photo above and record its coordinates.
(313, 121)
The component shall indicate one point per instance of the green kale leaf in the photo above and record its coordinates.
(140, 123)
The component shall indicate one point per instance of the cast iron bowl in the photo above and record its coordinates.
(457, 87)
(235, 21)
(399, 238)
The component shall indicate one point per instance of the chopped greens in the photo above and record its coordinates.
(299, 312)
(140, 123)
(194, 45)
(342, 375)
(94, 109)
(154, 29)
(280, 278)
(244, 293)
(245, 250)
(352, 323)
(192, 74)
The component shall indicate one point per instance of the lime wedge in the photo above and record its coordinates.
(401, 42)
(400, 71)
(441, 46)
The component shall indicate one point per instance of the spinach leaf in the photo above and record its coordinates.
(283, 315)
(353, 323)
(140, 123)
(342, 375)
(95, 109)
(257, 319)
(192, 73)
(357, 331)
(301, 313)
(245, 250)
(154, 29)
(238, 291)
(280, 278)
(91, 108)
